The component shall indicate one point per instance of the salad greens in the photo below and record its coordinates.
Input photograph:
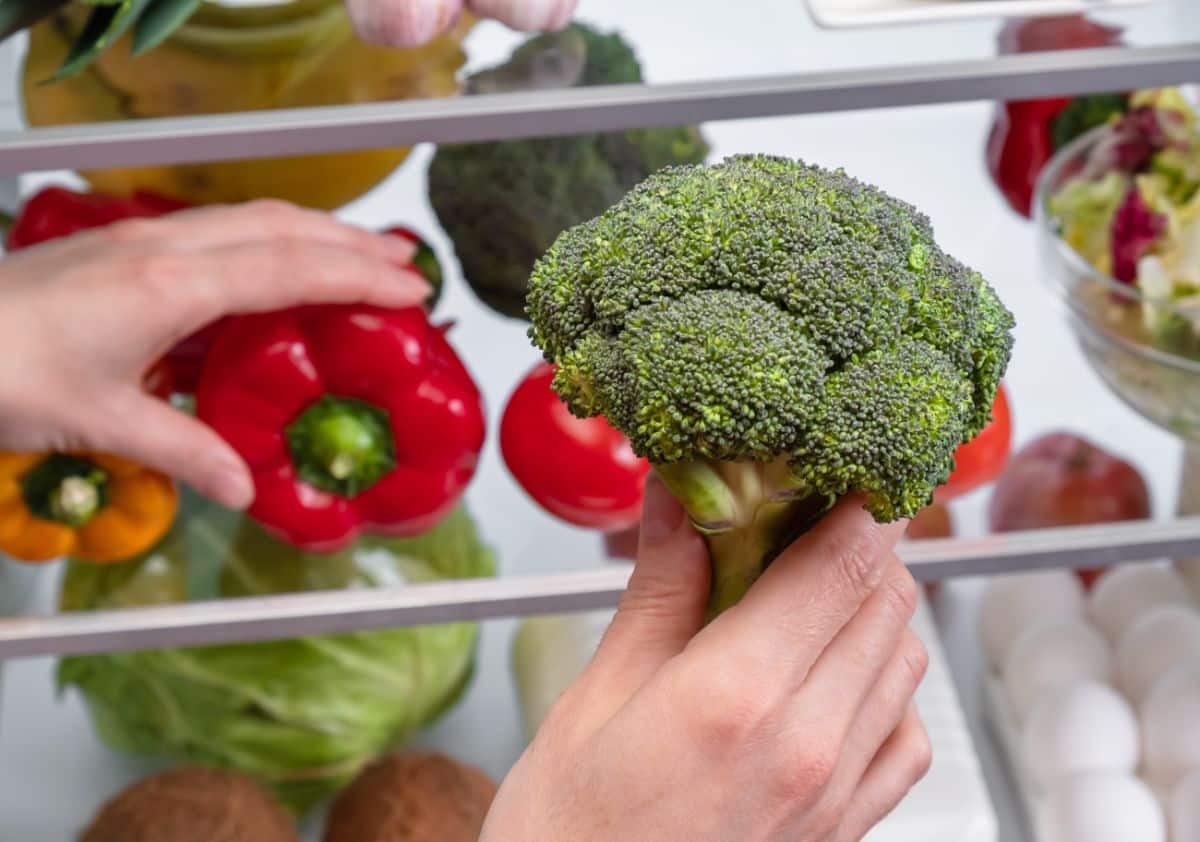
(303, 715)
(1133, 212)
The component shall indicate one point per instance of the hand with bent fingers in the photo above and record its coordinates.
(83, 317)
(789, 717)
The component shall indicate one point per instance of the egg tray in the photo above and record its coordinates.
(1003, 726)
(1007, 735)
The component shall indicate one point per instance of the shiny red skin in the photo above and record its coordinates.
(578, 469)
(263, 370)
(58, 212)
(981, 460)
(1019, 144)
(1061, 479)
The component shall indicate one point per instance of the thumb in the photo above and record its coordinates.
(664, 605)
(153, 433)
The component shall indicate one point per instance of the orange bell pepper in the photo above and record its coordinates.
(90, 506)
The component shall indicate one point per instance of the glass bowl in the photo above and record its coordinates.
(1111, 320)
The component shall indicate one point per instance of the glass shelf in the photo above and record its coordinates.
(700, 63)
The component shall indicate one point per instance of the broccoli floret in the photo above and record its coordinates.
(772, 336)
(502, 204)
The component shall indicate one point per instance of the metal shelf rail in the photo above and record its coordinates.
(291, 615)
(579, 110)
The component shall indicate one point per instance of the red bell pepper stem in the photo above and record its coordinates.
(342, 445)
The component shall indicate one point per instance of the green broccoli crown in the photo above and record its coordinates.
(765, 308)
(503, 204)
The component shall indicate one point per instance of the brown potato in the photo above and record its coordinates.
(412, 798)
(192, 805)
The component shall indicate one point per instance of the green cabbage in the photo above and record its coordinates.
(301, 715)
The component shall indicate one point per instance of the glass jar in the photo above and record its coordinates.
(240, 58)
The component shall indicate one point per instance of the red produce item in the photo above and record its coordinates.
(57, 212)
(1061, 479)
(981, 460)
(578, 469)
(352, 419)
(1022, 139)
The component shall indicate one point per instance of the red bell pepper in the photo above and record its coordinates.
(578, 469)
(56, 212)
(1025, 134)
(424, 262)
(352, 419)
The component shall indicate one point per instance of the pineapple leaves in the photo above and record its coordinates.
(105, 24)
(161, 18)
(15, 15)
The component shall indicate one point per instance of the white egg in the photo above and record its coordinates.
(1123, 594)
(1170, 719)
(1052, 655)
(1153, 645)
(1013, 603)
(1103, 807)
(1183, 810)
(1087, 727)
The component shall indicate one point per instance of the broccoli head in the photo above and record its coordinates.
(772, 336)
(502, 204)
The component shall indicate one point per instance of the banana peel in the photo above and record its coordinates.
(293, 55)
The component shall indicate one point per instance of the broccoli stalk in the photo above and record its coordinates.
(772, 336)
(746, 512)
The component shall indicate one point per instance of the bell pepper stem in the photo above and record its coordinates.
(342, 445)
(65, 489)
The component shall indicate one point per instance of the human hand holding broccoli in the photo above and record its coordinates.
(789, 717)
(773, 336)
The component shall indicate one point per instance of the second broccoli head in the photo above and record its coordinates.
(772, 336)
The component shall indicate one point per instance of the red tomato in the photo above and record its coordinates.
(981, 460)
(580, 470)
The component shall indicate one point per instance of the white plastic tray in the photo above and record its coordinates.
(842, 14)
(952, 803)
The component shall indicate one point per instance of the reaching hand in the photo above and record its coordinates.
(789, 717)
(82, 318)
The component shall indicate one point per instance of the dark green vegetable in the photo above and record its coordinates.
(503, 204)
(302, 716)
(1085, 113)
(772, 336)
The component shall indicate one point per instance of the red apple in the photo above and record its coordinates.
(1062, 479)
